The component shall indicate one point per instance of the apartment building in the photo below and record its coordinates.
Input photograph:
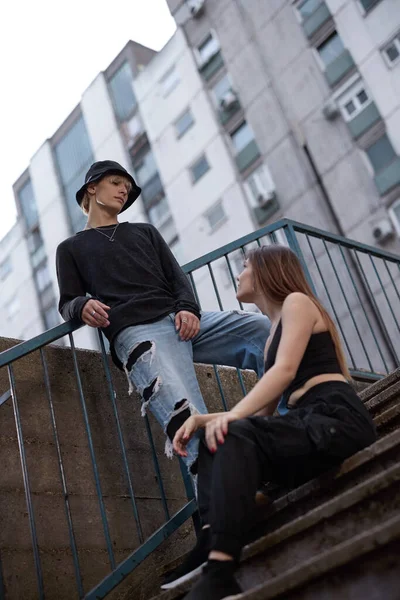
(253, 111)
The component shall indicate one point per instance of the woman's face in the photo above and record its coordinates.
(245, 284)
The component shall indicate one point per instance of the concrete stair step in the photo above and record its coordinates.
(343, 518)
(379, 387)
(366, 566)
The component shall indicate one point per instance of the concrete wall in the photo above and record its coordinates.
(47, 497)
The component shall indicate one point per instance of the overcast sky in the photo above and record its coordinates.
(50, 53)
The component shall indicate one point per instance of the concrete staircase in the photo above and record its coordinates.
(337, 536)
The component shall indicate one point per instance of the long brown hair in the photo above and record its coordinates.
(278, 273)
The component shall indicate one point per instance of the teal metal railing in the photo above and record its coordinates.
(359, 284)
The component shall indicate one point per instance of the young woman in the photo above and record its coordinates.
(324, 421)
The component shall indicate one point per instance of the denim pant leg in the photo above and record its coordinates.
(234, 338)
(159, 365)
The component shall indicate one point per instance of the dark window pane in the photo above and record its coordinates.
(122, 92)
(367, 4)
(350, 107)
(28, 205)
(392, 52)
(184, 123)
(308, 7)
(362, 96)
(74, 156)
(242, 137)
(200, 168)
(331, 49)
(381, 153)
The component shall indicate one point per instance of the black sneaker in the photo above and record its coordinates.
(192, 564)
(216, 583)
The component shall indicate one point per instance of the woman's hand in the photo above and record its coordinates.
(185, 433)
(217, 429)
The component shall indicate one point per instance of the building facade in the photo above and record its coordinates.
(253, 111)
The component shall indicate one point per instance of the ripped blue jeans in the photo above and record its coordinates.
(159, 365)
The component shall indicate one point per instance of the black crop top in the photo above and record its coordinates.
(319, 358)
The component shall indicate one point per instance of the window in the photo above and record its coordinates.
(146, 168)
(169, 81)
(159, 213)
(216, 216)
(42, 276)
(184, 123)
(13, 307)
(331, 49)
(367, 4)
(51, 317)
(381, 153)
(5, 268)
(394, 212)
(27, 202)
(122, 94)
(199, 168)
(391, 51)
(260, 186)
(241, 137)
(74, 156)
(354, 101)
(221, 88)
(307, 8)
(207, 49)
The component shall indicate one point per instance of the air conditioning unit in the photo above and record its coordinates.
(196, 7)
(266, 199)
(330, 110)
(228, 100)
(383, 231)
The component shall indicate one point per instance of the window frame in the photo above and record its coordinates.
(300, 3)
(351, 95)
(235, 130)
(199, 158)
(224, 217)
(201, 61)
(393, 40)
(180, 134)
(394, 217)
(263, 189)
(323, 65)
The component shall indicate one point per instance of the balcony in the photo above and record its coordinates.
(152, 189)
(364, 121)
(312, 23)
(247, 156)
(338, 68)
(262, 213)
(389, 177)
(212, 66)
(225, 114)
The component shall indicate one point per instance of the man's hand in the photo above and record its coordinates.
(187, 324)
(95, 314)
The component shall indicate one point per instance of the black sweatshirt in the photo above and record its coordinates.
(136, 275)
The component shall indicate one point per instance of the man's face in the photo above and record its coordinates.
(112, 191)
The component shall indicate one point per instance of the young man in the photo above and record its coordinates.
(144, 304)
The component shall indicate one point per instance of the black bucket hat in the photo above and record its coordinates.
(100, 169)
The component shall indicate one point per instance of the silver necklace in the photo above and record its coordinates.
(109, 237)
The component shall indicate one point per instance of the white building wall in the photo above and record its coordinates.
(104, 134)
(18, 286)
(365, 35)
(174, 156)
